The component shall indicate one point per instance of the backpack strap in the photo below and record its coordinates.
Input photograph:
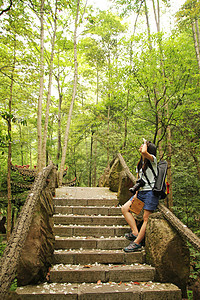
(145, 175)
(154, 174)
(150, 166)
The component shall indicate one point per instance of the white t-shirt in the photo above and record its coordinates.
(149, 174)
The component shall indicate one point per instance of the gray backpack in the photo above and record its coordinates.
(159, 187)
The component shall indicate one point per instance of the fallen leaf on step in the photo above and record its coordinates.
(120, 283)
(87, 266)
(99, 282)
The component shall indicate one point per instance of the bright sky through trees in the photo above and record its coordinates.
(167, 18)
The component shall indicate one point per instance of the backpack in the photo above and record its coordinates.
(159, 188)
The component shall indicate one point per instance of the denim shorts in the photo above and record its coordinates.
(149, 199)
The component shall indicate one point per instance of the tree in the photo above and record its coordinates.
(94, 57)
(44, 142)
(108, 31)
(73, 97)
(39, 111)
(189, 14)
(7, 8)
(12, 74)
(9, 210)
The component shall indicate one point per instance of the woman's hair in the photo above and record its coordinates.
(151, 149)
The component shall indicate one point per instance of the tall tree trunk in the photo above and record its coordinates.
(148, 24)
(198, 33)
(156, 14)
(108, 114)
(158, 117)
(87, 159)
(21, 145)
(95, 163)
(60, 94)
(159, 125)
(39, 112)
(196, 45)
(91, 158)
(126, 121)
(30, 156)
(169, 201)
(59, 128)
(108, 136)
(94, 183)
(97, 99)
(73, 97)
(9, 207)
(44, 144)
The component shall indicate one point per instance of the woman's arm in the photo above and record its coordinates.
(143, 151)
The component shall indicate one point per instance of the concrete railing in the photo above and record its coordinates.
(45, 181)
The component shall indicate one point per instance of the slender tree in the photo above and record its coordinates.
(9, 120)
(44, 141)
(60, 97)
(39, 111)
(73, 97)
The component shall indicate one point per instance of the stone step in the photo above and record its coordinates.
(89, 261)
(94, 272)
(86, 256)
(94, 231)
(100, 291)
(89, 220)
(111, 243)
(85, 202)
(88, 210)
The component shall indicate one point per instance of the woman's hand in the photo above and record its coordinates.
(144, 141)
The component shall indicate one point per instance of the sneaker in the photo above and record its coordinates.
(132, 247)
(130, 236)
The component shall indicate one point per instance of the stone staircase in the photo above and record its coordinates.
(89, 259)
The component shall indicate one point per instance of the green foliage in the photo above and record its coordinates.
(195, 263)
(190, 295)
(13, 285)
(128, 6)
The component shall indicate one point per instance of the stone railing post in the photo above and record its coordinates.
(167, 252)
(118, 178)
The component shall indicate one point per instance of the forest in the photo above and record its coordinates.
(79, 84)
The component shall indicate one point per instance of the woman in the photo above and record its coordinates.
(145, 194)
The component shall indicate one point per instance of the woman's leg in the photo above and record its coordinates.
(129, 217)
(141, 234)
